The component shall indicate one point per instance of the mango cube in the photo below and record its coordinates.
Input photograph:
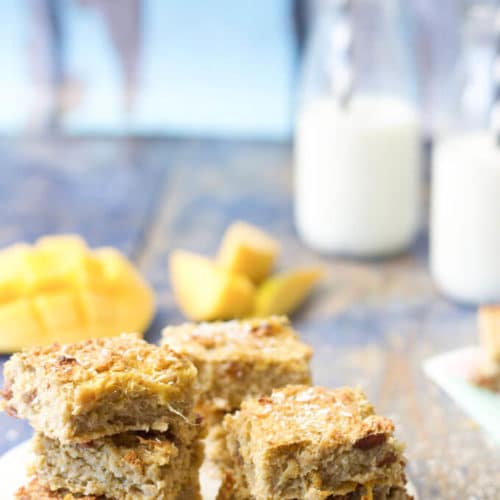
(283, 293)
(205, 291)
(60, 290)
(247, 250)
(12, 281)
(67, 245)
(60, 317)
(98, 307)
(56, 258)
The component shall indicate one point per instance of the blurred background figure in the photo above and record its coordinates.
(147, 67)
(123, 21)
(166, 67)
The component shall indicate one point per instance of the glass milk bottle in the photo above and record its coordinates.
(357, 138)
(465, 199)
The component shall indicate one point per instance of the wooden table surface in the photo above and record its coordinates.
(371, 323)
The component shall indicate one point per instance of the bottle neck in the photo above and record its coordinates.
(478, 45)
(381, 48)
(382, 58)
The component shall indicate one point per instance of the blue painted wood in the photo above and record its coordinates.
(106, 192)
(370, 323)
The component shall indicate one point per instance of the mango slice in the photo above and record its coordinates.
(205, 291)
(247, 250)
(284, 293)
(59, 290)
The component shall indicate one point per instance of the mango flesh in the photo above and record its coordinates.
(247, 250)
(12, 262)
(206, 291)
(284, 293)
(59, 290)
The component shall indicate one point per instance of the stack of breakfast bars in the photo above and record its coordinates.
(113, 418)
(116, 419)
(272, 435)
(237, 360)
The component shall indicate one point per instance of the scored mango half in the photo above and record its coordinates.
(247, 250)
(285, 292)
(205, 291)
(59, 290)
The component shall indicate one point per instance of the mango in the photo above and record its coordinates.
(285, 292)
(59, 290)
(67, 245)
(247, 250)
(204, 290)
(60, 316)
(98, 306)
(20, 326)
(13, 283)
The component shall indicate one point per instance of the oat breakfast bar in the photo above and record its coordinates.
(314, 443)
(488, 372)
(84, 391)
(230, 490)
(489, 331)
(35, 490)
(238, 359)
(125, 466)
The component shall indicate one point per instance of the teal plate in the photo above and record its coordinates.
(452, 372)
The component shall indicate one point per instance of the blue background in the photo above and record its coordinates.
(206, 68)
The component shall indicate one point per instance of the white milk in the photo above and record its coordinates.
(465, 218)
(357, 175)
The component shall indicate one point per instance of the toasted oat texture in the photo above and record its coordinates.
(314, 443)
(34, 490)
(192, 489)
(488, 375)
(216, 450)
(240, 359)
(231, 490)
(84, 391)
(124, 466)
(490, 382)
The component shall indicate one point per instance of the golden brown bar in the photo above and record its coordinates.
(312, 442)
(125, 466)
(240, 359)
(84, 391)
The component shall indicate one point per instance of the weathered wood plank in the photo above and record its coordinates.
(104, 190)
(372, 323)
